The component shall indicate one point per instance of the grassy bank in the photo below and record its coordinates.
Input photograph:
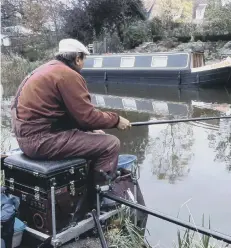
(14, 69)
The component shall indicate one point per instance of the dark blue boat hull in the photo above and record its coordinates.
(170, 78)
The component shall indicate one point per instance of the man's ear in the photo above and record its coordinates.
(77, 60)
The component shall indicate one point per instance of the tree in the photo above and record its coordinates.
(170, 9)
(110, 14)
(54, 16)
(77, 24)
(218, 17)
(174, 17)
(11, 12)
(186, 12)
(137, 33)
(36, 25)
(37, 11)
(95, 17)
(38, 16)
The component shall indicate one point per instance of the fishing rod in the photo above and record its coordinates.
(99, 228)
(143, 123)
(188, 225)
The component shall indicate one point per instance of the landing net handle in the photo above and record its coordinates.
(130, 163)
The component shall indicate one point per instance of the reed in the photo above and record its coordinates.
(192, 239)
(121, 232)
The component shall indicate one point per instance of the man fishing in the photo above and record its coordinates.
(53, 117)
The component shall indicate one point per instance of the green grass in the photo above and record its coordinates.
(193, 239)
(125, 234)
(121, 232)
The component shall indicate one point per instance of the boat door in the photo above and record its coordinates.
(197, 59)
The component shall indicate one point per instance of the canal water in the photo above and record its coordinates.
(185, 168)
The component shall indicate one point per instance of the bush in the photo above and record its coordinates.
(31, 47)
(14, 69)
(136, 34)
(156, 27)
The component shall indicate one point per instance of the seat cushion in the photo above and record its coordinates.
(21, 161)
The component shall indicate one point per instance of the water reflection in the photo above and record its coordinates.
(194, 157)
(162, 93)
(135, 140)
(172, 151)
(221, 143)
(220, 140)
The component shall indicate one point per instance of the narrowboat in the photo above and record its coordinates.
(169, 69)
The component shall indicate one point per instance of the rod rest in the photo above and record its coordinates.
(108, 186)
(115, 177)
(111, 178)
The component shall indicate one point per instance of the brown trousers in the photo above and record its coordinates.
(101, 149)
(38, 141)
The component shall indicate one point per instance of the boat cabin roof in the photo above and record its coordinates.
(142, 61)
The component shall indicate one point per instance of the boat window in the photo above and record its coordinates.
(159, 61)
(98, 62)
(127, 62)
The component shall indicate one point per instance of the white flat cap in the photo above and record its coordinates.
(72, 45)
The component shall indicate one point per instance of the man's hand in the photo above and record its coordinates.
(99, 131)
(123, 124)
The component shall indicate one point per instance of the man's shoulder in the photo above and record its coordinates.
(55, 64)
(68, 73)
(66, 70)
(61, 73)
(56, 69)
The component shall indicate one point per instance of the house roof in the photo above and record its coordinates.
(154, 8)
(16, 29)
(151, 8)
(198, 5)
(148, 4)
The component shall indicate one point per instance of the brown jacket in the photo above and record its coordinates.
(56, 97)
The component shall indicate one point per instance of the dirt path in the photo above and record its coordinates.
(84, 243)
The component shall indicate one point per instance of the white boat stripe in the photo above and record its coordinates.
(129, 103)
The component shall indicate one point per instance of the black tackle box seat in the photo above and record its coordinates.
(31, 180)
(21, 170)
(46, 167)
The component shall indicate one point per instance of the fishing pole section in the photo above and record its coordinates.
(202, 230)
(144, 123)
(134, 205)
(99, 229)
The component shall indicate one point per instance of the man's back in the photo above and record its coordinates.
(40, 96)
(56, 97)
